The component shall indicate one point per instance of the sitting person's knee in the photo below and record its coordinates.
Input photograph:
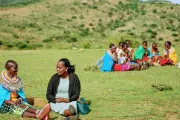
(67, 113)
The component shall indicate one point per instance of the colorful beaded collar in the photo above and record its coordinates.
(12, 84)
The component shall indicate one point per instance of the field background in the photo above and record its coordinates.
(86, 23)
(37, 33)
(114, 95)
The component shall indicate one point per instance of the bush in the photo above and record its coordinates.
(171, 21)
(81, 25)
(1, 42)
(155, 11)
(84, 32)
(154, 33)
(100, 27)
(161, 87)
(153, 25)
(163, 16)
(8, 45)
(15, 35)
(110, 14)
(176, 40)
(35, 45)
(115, 24)
(22, 45)
(72, 39)
(168, 27)
(73, 17)
(48, 40)
(81, 17)
(131, 33)
(91, 68)
(153, 36)
(149, 31)
(143, 12)
(173, 29)
(144, 25)
(160, 39)
(87, 45)
(174, 34)
(93, 6)
(91, 24)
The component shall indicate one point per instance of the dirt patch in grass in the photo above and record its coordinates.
(171, 116)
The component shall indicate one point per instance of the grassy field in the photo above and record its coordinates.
(114, 95)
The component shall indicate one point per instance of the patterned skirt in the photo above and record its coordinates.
(15, 110)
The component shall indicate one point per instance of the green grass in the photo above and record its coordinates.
(114, 95)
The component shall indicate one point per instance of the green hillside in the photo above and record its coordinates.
(4, 3)
(87, 24)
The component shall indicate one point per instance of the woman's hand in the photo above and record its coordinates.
(65, 100)
(9, 102)
(18, 101)
(58, 100)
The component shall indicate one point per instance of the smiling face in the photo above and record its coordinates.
(167, 46)
(12, 70)
(154, 45)
(120, 44)
(60, 68)
(144, 45)
(128, 44)
(113, 49)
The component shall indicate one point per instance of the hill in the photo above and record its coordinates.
(87, 23)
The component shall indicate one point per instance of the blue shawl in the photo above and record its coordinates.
(5, 94)
(107, 63)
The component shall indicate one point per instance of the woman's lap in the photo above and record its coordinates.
(15, 110)
(60, 107)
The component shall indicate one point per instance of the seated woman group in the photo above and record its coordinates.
(121, 58)
(62, 92)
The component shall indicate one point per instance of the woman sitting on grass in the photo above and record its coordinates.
(124, 59)
(154, 54)
(64, 89)
(142, 53)
(131, 50)
(109, 59)
(119, 49)
(12, 98)
(170, 56)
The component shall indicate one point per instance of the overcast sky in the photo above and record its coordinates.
(173, 1)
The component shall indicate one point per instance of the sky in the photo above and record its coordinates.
(173, 1)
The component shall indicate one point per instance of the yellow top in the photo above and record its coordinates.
(13, 96)
(172, 55)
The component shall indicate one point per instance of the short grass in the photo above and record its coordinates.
(114, 95)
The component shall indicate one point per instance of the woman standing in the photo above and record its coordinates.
(64, 89)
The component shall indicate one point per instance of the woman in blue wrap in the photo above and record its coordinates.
(12, 97)
(109, 59)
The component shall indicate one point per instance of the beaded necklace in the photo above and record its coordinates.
(12, 84)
